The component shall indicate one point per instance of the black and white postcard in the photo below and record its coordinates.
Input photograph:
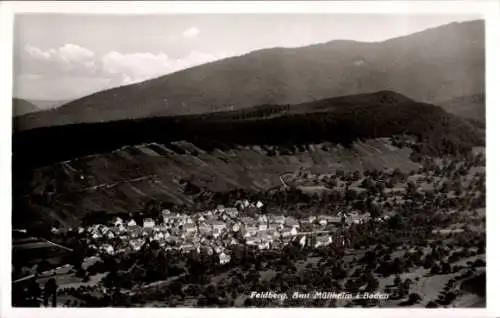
(248, 159)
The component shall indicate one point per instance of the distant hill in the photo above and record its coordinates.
(433, 65)
(338, 120)
(471, 107)
(21, 107)
(48, 104)
(118, 166)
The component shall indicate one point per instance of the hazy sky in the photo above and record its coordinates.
(67, 56)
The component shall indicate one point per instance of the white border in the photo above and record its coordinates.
(488, 8)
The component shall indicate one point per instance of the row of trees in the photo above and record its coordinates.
(30, 294)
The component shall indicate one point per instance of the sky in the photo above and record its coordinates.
(63, 56)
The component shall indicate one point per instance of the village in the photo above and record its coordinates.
(217, 231)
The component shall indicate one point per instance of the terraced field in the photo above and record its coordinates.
(124, 179)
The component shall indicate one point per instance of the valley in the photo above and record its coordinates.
(344, 167)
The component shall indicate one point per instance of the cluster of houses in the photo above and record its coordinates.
(213, 231)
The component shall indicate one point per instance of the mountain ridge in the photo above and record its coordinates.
(77, 168)
(436, 64)
(379, 114)
(21, 107)
(470, 106)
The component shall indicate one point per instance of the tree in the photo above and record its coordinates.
(446, 268)
(248, 302)
(414, 298)
(411, 188)
(373, 283)
(50, 289)
(380, 186)
(43, 266)
(397, 280)
(435, 269)
(33, 293)
(407, 283)
(395, 222)
(367, 183)
(431, 304)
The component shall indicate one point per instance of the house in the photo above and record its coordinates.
(177, 220)
(232, 212)
(168, 220)
(149, 223)
(366, 217)
(217, 249)
(291, 222)
(447, 231)
(312, 218)
(274, 226)
(110, 235)
(323, 240)
(120, 228)
(242, 204)
(81, 230)
(136, 244)
(136, 229)
(158, 236)
(146, 232)
(220, 208)
(251, 230)
(172, 239)
(90, 229)
(245, 203)
(159, 227)
(131, 223)
(264, 245)
(218, 226)
(234, 241)
(235, 227)
(190, 227)
(357, 218)
(262, 218)
(187, 248)
(262, 226)
(289, 232)
(334, 219)
(252, 241)
(117, 221)
(273, 233)
(259, 204)
(224, 258)
(303, 241)
(247, 220)
(208, 213)
(204, 230)
(205, 225)
(322, 220)
(104, 230)
(107, 248)
(279, 219)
